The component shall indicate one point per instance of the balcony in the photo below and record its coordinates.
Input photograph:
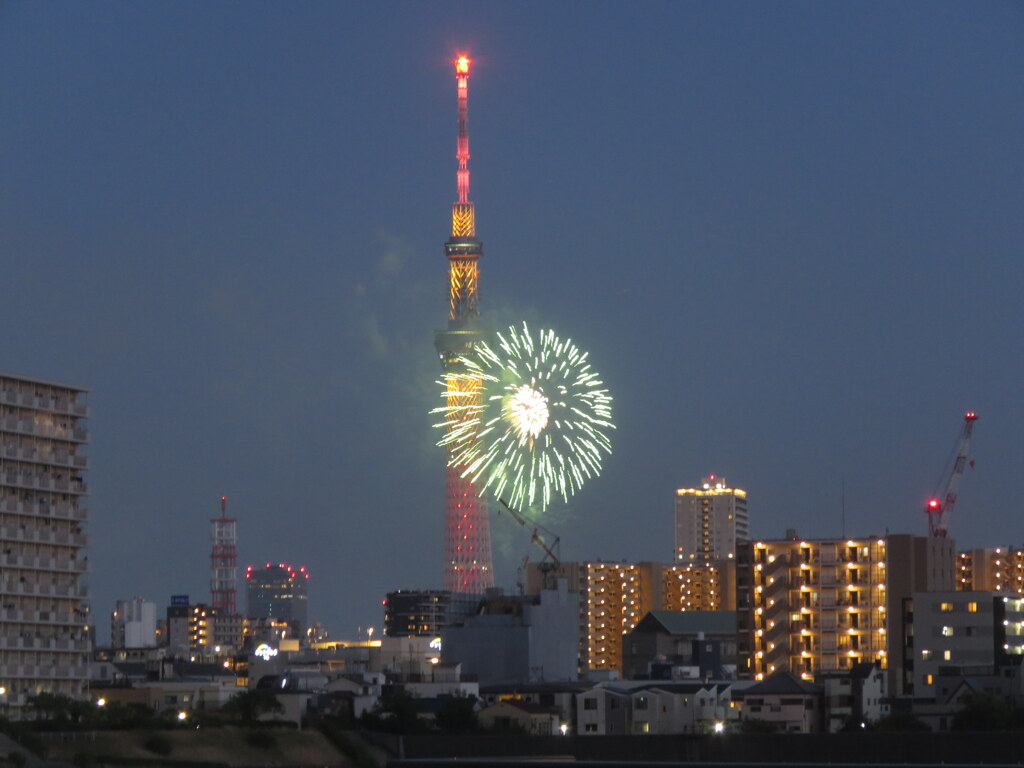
(43, 482)
(41, 563)
(45, 535)
(20, 426)
(41, 402)
(30, 589)
(61, 618)
(39, 644)
(31, 453)
(45, 672)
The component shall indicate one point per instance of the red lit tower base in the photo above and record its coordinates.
(467, 533)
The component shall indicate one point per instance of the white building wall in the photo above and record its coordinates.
(44, 611)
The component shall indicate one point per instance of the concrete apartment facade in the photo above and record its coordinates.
(44, 612)
(824, 605)
(614, 596)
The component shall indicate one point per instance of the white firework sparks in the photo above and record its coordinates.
(528, 419)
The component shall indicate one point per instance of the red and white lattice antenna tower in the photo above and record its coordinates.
(224, 561)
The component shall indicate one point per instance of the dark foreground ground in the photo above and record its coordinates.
(809, 750)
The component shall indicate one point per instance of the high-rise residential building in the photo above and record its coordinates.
(613, 597)
(133, 624)
(830, 604)
(710, 521)
(278, 592)
(998, 569)
(44, 611)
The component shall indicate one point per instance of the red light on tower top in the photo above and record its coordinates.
(462, 65)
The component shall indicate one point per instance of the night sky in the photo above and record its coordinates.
(790, 235)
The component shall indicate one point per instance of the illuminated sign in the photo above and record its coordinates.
(265, 652)
(179, 599)
(435, 644)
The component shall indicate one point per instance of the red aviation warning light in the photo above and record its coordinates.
(462, 65)
(940, 506)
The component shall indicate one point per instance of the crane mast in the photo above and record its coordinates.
(940, 506)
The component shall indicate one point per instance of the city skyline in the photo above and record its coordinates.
(787, 235)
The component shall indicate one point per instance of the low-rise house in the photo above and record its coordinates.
(703, 643)
(784, 700)
(531, 719)
(853, 696)
(561, 695)
(655, 707)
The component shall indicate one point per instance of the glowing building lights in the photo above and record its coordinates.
(464, 572)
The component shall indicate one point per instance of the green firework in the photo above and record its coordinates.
(527, 417)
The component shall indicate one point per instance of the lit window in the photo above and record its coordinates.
(972, 607)
(929, 679)
(947, 631)
(947, 655)
(946, 607)
(926, 655)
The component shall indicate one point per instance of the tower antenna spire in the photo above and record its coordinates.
(462, 80)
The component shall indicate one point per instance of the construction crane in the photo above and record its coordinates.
(550, 562)
(940, 506)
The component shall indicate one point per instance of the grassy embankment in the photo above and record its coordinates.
(225, 746)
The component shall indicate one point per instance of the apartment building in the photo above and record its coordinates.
(614, 596)
(832, 604)
(710, 521)
(44, 611)
(999, 569)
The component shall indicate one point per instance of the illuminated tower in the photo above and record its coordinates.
(467, 535)
(223, 561)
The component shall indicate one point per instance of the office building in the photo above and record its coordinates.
(278, 592)
(976, 634)
(133, 624)
(710, 521)
(517, 639)
(44, 618)
(424, 612)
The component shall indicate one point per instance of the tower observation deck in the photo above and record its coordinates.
(467, 535)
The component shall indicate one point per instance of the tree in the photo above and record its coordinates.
(250, 706)
(901, 721)
(396, 713)
(983, 713)
(457, 714)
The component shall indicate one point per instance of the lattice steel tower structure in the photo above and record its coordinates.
(467, 534)
(224, 562)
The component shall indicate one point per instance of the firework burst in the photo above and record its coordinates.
(526, 417)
